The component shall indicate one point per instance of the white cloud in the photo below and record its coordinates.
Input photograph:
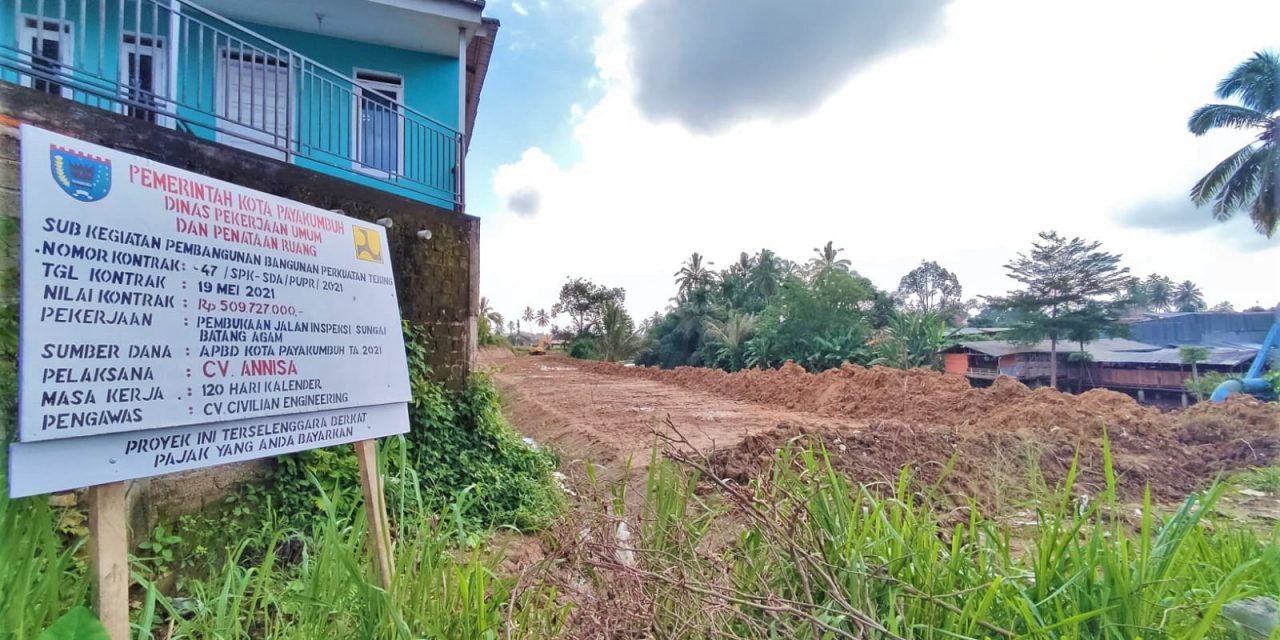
(1022, 117)
(519, 8)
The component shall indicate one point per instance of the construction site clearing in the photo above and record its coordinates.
(987, 444)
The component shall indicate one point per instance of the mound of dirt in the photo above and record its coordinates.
(917, 396)
(985, 438)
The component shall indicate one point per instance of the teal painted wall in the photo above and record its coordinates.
(430, 88)
(430, 81)
(324, 125)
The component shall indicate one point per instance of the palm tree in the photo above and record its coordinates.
(528, 314)
(542, 318)
(1193, 356)
(1248, 179)
(1135, 293)
(487, 312)
(731, 336)
(828, 259)
(1188, 297)
(619, 339)
(766, 276)
(693, 276)
(1159, 292)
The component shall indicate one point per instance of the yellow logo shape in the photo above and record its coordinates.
(368, 244)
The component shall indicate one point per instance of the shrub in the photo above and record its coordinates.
(458, 443)
(583, 348)
(487, 337)
(1203, 387)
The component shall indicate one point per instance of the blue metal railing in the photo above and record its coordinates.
(177, 64)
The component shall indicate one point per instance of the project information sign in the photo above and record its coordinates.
(155, 299)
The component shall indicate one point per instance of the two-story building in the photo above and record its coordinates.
(378, 92)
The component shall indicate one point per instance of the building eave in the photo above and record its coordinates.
(479, 53)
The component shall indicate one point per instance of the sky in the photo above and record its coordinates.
(616, 137)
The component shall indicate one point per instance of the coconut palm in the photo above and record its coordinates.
(730, 337)
(1135, 294)
(528, 314)
(1159, 292)
(766, 275)
(1249, 179)
(542, 318)
(1188, 297)
(1193, 355)
(694, 275)
(489, 313)
(828, 258)
(618, 339)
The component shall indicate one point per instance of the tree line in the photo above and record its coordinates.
(763, 310)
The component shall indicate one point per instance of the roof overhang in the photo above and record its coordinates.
(479, 52)
(429, 26)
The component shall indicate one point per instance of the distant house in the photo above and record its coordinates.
(1150, 372)
(975, 333)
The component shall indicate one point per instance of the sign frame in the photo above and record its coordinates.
(83, 174)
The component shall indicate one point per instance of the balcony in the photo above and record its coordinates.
(178, 65)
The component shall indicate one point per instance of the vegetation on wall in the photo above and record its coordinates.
(458, 442)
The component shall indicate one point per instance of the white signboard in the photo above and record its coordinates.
(155, 298)
(59, 465)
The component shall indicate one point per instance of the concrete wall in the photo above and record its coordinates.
(437, 281)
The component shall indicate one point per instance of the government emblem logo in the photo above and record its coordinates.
(82, 176)
(368, 244)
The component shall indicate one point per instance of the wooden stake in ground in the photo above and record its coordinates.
(376, 508)
(109, 555)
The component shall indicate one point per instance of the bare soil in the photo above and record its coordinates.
(981, 443)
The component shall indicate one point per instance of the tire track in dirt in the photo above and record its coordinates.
(606, 419)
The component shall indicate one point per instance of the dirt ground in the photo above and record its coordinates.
(607, 420)
(982, 443)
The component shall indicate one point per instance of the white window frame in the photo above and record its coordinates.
(252, 139)
(159, 52)
(32, 26)
(357, 146)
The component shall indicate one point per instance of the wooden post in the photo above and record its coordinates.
(109, 555)
(376, 507)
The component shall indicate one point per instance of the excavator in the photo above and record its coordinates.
(539, 348)
(1252, 383)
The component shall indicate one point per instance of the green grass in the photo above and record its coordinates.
(277, 583)
(821, 557)
(1265, 479)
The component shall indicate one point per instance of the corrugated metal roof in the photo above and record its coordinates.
(1111, 351)
(1003, 347)
(1207, 328)
(978, 331)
